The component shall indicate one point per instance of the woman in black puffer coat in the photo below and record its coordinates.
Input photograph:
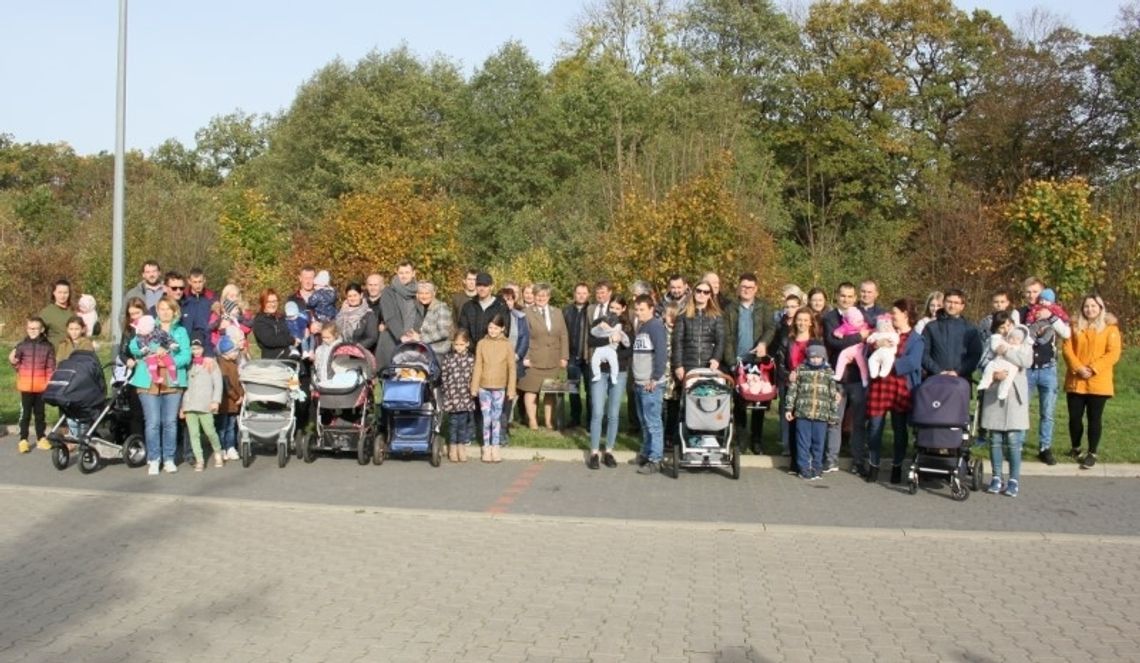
(698, 338)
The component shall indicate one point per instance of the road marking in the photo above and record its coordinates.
(516, 488)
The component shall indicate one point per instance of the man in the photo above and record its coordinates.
(1000, 300)
(603, 290)
(197, 302)
(868, 295)
(477, 312)
(748, 329)
(647, 367)
(577, 318)
(150, 289)
(1042, 375)
(173, 286)
(466, 294)
(636, 289)
(398, 310)
(714, 282)
(853, 395)
(676, 293)
(952, 345)
(373, 288)
(305, 287)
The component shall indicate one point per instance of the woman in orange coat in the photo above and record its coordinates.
(1090, 354)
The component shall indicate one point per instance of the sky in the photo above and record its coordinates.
(190, 61)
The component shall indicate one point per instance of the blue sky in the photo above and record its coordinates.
(190, 61)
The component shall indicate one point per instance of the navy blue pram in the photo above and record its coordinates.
(941, 418)
(410, 405)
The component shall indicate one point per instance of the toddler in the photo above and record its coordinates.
(882, 360)
(323, 299)
(607, 354)
(457, 367)
(87, 310)
(200, 402)
(996, 362)
(298, 323)
(34, 360)
(853, 323)
(232, 395)
(813, 403)
(151, 337)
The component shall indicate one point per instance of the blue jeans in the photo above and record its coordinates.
(160, 413)
(875, 435)
(1007, 441)
(811, 435)
(1044, 380)
(652, 427)
(461, 427)
(605, 401)
(228, 430)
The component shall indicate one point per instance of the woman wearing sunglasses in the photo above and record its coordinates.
(698, 338)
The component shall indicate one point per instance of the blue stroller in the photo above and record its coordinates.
(410, 406)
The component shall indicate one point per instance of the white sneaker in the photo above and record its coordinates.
(232, 454)
(152, 468)
(169, 467)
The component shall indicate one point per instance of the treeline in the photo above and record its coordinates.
(903, 139)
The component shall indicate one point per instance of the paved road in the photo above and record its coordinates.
(552, 562)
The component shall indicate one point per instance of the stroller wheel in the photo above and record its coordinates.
(436, 458)
(912, 487)
(89, 460)
(282, 454)
(736, 453)
(246, 453)
(977, 473)
(677, 459)
(379, 446)
(958, 490)
(299, 443)
(363, 448)
(308, 448)
(134, 451)
(60, 457)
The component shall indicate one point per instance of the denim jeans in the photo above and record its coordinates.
(1044, 380)
(460, 427)
(811, 435)
(1007, 441)
(652, 427)
(161, 425)
(605, 401)
(875, 435)
(228, 430)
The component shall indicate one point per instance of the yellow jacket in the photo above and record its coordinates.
(1099, 351)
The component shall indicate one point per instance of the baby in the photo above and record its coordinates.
(150, 338)
(1047, 300)
(853, 323)
(87, 310)
(298, 324)
(882, 360)
(323, 299)
(607, 354)
(1013, 338)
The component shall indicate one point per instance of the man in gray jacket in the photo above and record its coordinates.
(650, 351)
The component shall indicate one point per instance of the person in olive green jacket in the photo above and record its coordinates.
(749, 328)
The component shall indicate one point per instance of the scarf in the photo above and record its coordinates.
(407, 301)
(349, 319)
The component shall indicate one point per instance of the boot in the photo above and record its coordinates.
(485, 453)
(453, 453)
(896, 474)
(461, 452)
(872, 474)
(496, 455)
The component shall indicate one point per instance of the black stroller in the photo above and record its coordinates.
(410, 405)
(941, 417)
(342, 394)
(79, 390)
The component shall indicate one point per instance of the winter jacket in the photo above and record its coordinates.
(814, 395)
(577, 330)
(697, 340)
(1012, 414)
(204, 386)
(1044, 334)
(494, 366)
(140, 378)
(64, 348)
(272, 335)
(457, 371)
(232, 391)
(909, 363)
(35, 361)
(1099, 350)
(149, 296)
(763, 329)
(196, 314)
(951, 344)
(436, 328)
(474, 318)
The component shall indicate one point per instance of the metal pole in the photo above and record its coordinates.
(120, 179)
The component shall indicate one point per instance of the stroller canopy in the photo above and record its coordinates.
(350, 357)
(77, 385)
(416, 355)
(942, 400)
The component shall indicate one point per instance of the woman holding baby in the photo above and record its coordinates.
(891, 392)
(1006, 420)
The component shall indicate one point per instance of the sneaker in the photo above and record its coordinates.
(24, 447)
(1088, 461)
(815, 477)
(807, 477)
(1011, 489)
(152, 468)
(995, 486)
(1046, 456)
(199, 466)
(232, 454)
(219, 460)
(1075, 453)
(640, 461)
(593, 463)
(608, 460)
(828, 469)
(43, 444)
(169, 467)
(650, 467)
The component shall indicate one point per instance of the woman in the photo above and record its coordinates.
(356, 321)
(435, 328)
(528, 298)
(549, 353)
(606, 390)
(519, 336)
(58, 311)
(135, 308)
(1007, 420)
(930, 310)
(698, 339)
(1090, 354)
(270, 329)
(160, 401)
(892, 392)
(790, 350)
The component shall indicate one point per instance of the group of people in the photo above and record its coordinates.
(839, 363)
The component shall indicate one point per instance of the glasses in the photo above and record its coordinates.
(177, 287)
(954, 302)
(702, 291)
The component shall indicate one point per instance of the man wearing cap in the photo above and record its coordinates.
(477, 312)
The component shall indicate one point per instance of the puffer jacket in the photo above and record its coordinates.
(814, 395)
(697, 340)
(204, 386)
(35, 361)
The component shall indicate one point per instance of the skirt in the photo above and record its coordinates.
(532, 381)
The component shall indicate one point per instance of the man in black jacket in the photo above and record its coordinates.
(480, 309)
(577, 317)
(748, 329)
(953, 345)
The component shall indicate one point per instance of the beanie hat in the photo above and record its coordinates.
(1048, 295)
(225, 345)
(291, 309)
(322, 278)
(144, 325)
(815, 349)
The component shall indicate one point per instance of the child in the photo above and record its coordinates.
(232, 396)
(853, 323)
(882, 360)
(607, 354)
(200, 402)
(228, 316)
(87, 310)
(1047, 300)
(493, 381)
(458, 366)
(812, 402)
(298, 323)
(76, 339)
(34, 360)
(330, 336)
(323, 299)
(151, 337)
(993, 361)
(672, 395)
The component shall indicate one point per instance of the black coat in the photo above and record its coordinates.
(272, 335)
(697, 340)
(474, 318)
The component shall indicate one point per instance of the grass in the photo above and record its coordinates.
(1120, 442)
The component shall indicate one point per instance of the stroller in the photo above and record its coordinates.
(342, 392)
(755, 381)
(705, 431)
(267, 412)
(410, 405)
(941, 416)
(79, 390)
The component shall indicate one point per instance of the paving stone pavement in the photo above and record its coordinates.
(104, 577)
